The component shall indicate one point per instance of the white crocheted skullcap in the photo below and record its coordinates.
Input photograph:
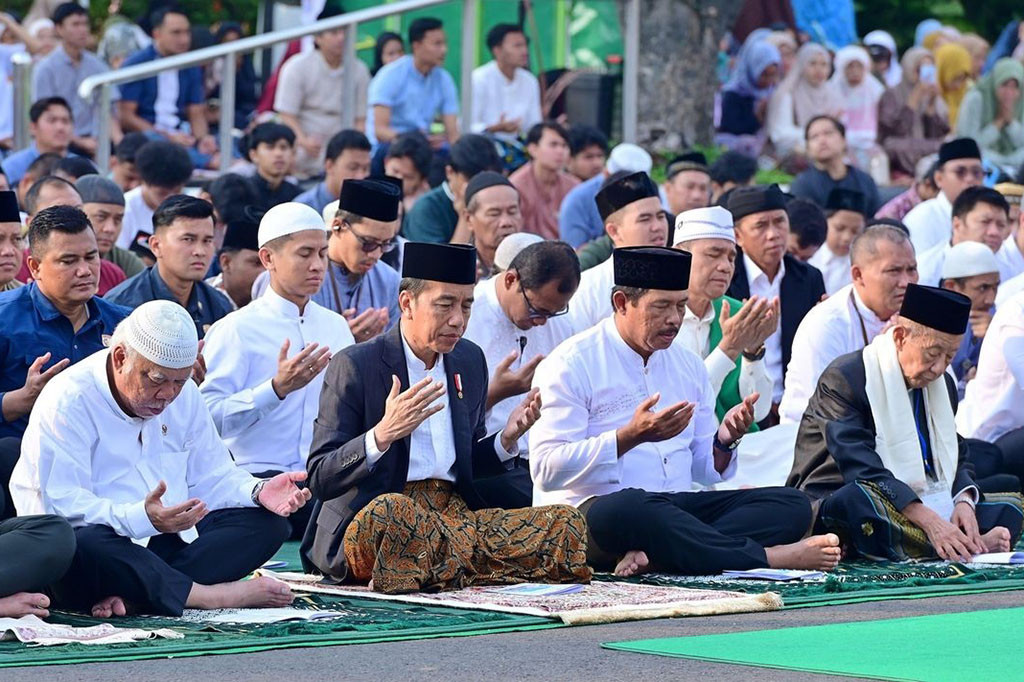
(510, 247)
(711, 222)
(164, 333)
(629, 157)
(288, 218)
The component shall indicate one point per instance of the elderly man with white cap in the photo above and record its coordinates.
(579, 221)
(123, 446)
(266, 360)
(728, 334)
(971, 269)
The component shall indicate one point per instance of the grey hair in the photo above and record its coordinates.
(120, 338)
(865, 245)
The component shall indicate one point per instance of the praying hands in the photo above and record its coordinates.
(282, 496)
(523, 417)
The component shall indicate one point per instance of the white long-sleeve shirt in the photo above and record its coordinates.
(1011, 260)
(835, 270)
(832, 328)
(490, 328)
(590, 386)
(592, 301)
(929, 264)
(262, 431)
(930, 223)
(993, 404)
(84, 459)
(695, 336)
(495, 96)
(761, 286)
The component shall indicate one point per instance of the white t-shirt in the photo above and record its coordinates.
(138, 217)
(495, 96)
(166, 105)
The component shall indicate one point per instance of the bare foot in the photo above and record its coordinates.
(633, 563)
(816, 553)
(996, 540)
(256, 593)
(24, 604)
(109, 607)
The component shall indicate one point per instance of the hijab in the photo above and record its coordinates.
(1005, 69)
(924, 28)
(751, 62)
(810, 100)
(911, 66)
(885, 39)
(859, 102)
(952, 60)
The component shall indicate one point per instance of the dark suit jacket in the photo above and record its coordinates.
(352, 401)
(801, 289)
(836, 441)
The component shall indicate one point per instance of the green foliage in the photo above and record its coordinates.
(901, 17)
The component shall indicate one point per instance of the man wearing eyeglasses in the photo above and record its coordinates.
(518, 317)
(931, 222)
(358, 285)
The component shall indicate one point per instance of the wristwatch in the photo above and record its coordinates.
(719, 445)
(755, 356)
(256, 490)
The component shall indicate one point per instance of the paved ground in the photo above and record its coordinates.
(562, 654)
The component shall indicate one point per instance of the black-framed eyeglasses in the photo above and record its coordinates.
(540, 314)
(369, 244)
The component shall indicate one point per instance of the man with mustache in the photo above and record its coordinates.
(764, 269)
(628, 426)
(267, 359)
(51, 323)
(182, 242)
(878, 448)
(882, 266)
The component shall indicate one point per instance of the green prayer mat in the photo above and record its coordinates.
(980, 645)
(862, 581)
(365, 621)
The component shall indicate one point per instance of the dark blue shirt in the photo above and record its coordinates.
(32, 326)
(143, 92)
(206, 305)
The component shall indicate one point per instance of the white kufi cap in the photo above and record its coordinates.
(713, 222)
(164, 333)
(968, 259)
(629, 157)
(510, 247)
(331, 210)
(288, 218)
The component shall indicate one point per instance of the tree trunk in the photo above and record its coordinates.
(677, 75)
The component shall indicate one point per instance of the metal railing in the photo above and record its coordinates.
(227, 52)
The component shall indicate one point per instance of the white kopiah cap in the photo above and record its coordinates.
(288, 218)
(968, 259)
(510, 247)
(164, 333)
(331, 210)
(629, 157)
(713, 222)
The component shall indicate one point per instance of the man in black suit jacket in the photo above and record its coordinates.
(762, 236)
(393, 458)
(857, 495)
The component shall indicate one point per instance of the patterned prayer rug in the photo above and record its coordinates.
(598, 602)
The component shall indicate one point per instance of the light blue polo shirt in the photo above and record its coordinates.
(415, 100)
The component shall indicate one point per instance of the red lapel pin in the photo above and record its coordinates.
(458, 384)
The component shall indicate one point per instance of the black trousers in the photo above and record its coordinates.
(10, 451)
(695, 533)
(35, 552)
(510, 490)
(157, 579)
(870, 526)
(300, 519)
(998, 469)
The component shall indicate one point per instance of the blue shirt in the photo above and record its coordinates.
(415, 100)
(143, 92)
(378, 288)
(32, 326)
(16, 165)
(205, 304)
(579, 221)
(317, 197)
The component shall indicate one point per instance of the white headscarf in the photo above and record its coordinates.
(894, 74)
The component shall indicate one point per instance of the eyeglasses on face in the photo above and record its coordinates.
(540, 314)
(369, 244)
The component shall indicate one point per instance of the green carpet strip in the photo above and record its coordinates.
(981, 645)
